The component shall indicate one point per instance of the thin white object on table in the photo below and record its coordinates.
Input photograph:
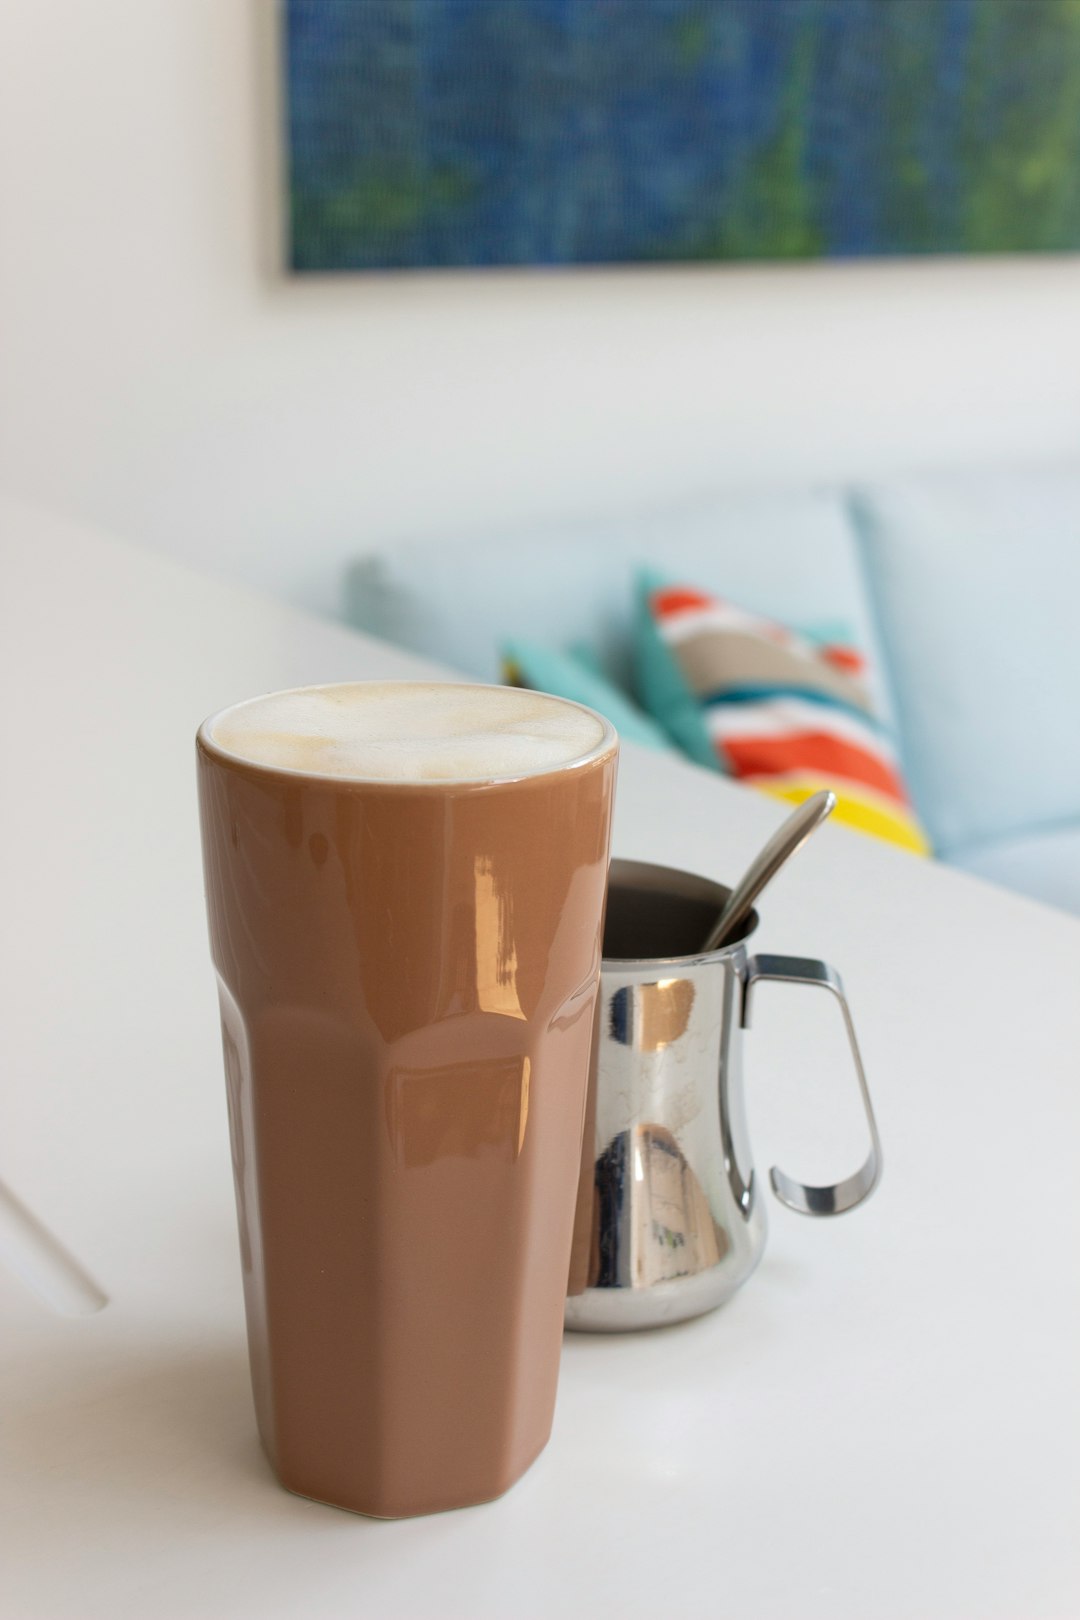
(884, 1423)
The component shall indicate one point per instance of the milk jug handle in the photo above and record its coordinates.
(840, 1195)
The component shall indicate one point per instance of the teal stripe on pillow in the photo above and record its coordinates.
(662, 687)
(764, 694)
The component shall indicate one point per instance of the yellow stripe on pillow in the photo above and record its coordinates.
(854, 807)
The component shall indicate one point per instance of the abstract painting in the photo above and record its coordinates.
(559, 132)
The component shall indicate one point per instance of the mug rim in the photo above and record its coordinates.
(607, 747)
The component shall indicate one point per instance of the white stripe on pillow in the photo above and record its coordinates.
(779, 716)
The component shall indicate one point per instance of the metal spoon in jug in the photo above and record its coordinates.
(768, 861)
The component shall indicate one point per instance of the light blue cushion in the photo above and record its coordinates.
(793, 557)
(976, 585)
(544, 669)
(1042, 865)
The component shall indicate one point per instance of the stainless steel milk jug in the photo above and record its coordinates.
(670, 1215)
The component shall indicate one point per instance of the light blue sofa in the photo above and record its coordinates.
(963, 590)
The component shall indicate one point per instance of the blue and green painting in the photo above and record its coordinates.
(554, 132)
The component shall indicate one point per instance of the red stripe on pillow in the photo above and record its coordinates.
(848, 659)
(676, 599)
(808, 750)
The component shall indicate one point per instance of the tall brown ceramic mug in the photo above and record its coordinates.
(405, 888)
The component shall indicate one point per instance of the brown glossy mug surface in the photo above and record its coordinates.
(407, 974)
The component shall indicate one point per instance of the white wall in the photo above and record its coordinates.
(159, 375)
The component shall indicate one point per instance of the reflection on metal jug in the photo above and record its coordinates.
(651, 1016)
(669, 1220)
(666, 1232)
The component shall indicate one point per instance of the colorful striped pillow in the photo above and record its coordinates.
(770, 707)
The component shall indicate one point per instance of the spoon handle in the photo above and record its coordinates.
(763, 868)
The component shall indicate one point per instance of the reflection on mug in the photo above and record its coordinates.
(458, 1110)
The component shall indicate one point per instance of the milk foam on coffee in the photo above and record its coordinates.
(408, 731)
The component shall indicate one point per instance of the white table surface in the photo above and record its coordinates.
(884, 1423)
